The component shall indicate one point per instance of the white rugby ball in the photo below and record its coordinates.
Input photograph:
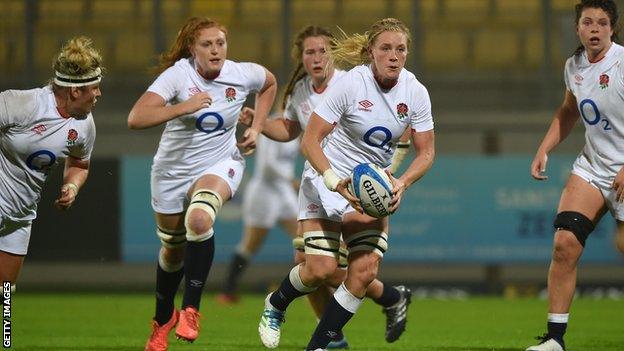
(373, 187)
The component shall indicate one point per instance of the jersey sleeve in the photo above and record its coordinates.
(84, 149)
(16, 106)
(166, 85)
(255, 74)
(336, 100)
(290, 112)
(567, 71)
(5, 118)
(421, 119)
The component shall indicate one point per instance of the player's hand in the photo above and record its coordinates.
(538, 166)
(197, 102)
(246, 116)
(67, 197)
(343, 189)
(618, 185)
(249, 141)
(398, 188)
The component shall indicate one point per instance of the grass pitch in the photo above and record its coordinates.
(121, 322)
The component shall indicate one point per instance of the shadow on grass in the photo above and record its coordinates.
(453, 348)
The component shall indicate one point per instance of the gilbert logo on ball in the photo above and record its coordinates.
(373, 187)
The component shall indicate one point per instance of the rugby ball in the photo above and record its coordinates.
(373, 187)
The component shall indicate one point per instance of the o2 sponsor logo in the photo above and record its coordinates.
(379, 137)
(41, 161)
(211, 122)
(591, 114)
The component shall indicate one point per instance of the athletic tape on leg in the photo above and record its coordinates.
(298, 244)
(575, 222)
(343, 261)
(206, 200)
(322, 243)
(171, 238)
(368, 240)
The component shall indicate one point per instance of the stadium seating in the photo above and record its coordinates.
(455, 34)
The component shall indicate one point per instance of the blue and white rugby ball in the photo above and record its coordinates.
(372, 186)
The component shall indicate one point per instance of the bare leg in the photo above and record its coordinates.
(619, 237)
(579, 196)
(10, 266)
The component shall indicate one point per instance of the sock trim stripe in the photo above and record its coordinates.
(347, 300)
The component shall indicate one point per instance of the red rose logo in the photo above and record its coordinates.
(230, 94)
(402, 110)
(72, 136)
(604, 81)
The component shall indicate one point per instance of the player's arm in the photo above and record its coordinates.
(316, 131)
(563, 121)
(278, 129)
(151, 109)
(74, 176)
(424, 145)
(264, 101)
(282, 129)
(402, 149)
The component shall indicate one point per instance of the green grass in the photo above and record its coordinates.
(121, 322)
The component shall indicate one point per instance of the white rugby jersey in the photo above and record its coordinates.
(304, 99)
(33, 138)
(599, 91)
(370, 121)
(275, 161)
(190, 143)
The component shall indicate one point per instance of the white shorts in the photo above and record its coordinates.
(14, 236)
(316, 201)
(602, 181)
(266, 203)
(169, 193)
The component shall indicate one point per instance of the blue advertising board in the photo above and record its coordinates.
(473, 209)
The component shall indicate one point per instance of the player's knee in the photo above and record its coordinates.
(171, 239)
(576, 223)
(321, 270)
(564, 247)
(201, 213)
(367, 277)
(198, 221)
